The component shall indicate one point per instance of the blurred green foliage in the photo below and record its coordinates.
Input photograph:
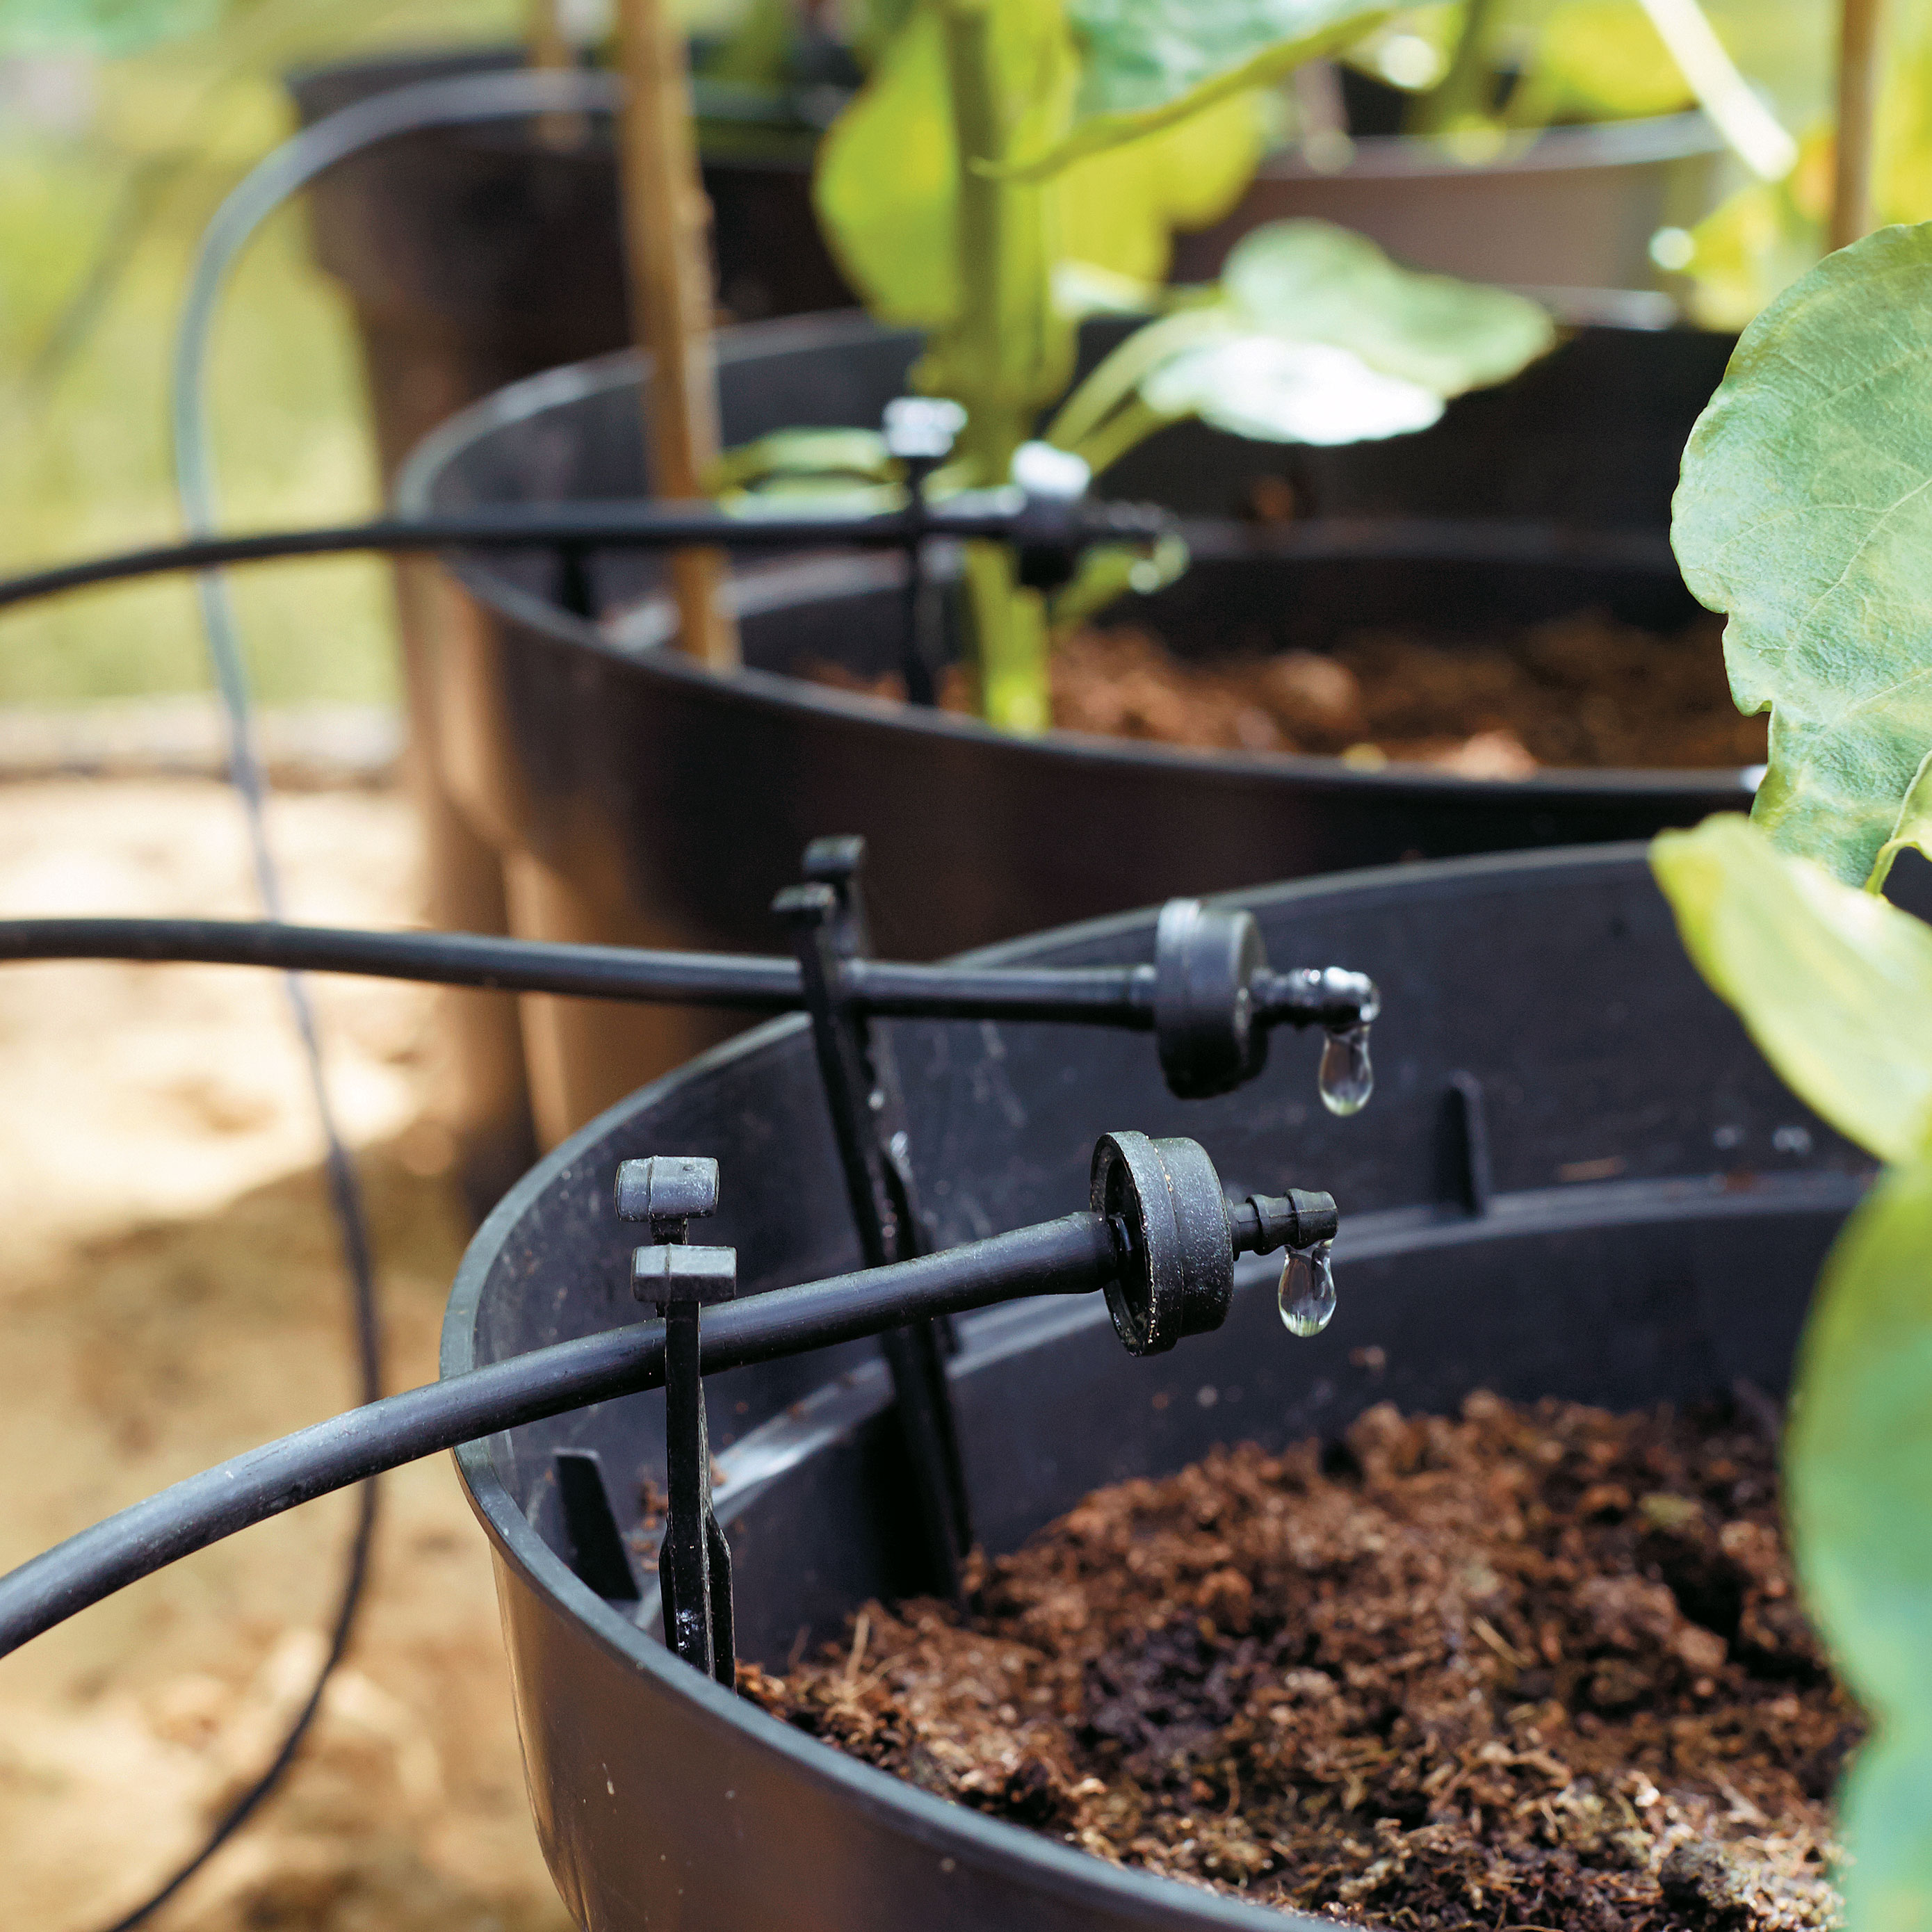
(110, 164)
(1769, 233)
(1799, 516)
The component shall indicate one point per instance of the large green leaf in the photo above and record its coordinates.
(1309, 281)
(1276, 391)
(887, 189)
(1099, 128)
(100, 26)
(1315, 336)
(1117, 210)
(1835, 985)
(1600, 59)
(1805, 513)
(887, 185)
(1858, 1497)
(1139, 55)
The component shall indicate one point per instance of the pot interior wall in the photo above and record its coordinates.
(1656, 1205)
(1237, 600)
(1610, 1298)
(1588, 438)
(1577, 458)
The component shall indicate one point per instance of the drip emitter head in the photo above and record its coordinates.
(1215, 998)
(1176, 1236)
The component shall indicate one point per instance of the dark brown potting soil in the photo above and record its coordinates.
(1531, 1668)
(1584, 691)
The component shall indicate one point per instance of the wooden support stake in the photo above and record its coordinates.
(1859, 37)
(667, 221)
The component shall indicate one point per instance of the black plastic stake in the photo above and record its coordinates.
(826, 919)
(920, 432)
(694, 1560)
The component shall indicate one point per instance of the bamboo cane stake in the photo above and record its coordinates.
(1858, 36)
(666, 220)
(550, 52)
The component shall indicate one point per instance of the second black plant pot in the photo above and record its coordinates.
(636, 797)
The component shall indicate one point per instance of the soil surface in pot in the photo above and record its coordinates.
(1534, 1668)
(1582, 690)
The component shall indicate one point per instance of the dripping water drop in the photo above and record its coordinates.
(1347, 1079)
(1307, 1295)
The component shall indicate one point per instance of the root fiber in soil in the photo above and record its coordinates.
(1529, 1667)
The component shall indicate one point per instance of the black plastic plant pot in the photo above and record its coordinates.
(476, 256)
(656, 801)
(1576, 1178)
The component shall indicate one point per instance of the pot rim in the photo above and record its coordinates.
(948, 1827)
(411, 62)
(1636, 142)
(1640, 143)
(536, 395)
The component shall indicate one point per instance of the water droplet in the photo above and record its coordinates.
(1307, 1292)
(1346, 1079)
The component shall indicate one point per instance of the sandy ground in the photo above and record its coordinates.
(170, 1294)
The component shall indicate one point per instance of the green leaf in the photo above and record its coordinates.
(1805, 513)
(1280, 392)
(846, 453)
(1857, 1485)
(1100, 128)
(1596, 59)
(100, 26)
(1317, 337)
(1912, 828)
(1117, 210)
(887, 188)
(1139, 55)
(1835, 985)
(1309, 281)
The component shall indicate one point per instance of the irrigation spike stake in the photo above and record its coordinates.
(826, 919)
(693, 1559)
(670, 1192)
(919, 432)
(1161, 1233)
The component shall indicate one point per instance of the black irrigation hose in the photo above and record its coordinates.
(592, 526)
(1119, 996)
(1072, 1255)
(311, 153)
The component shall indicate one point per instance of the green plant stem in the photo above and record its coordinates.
(1463, 93)
(991, 358)
(1119, 374)
(1133, 422)
(992, 348)
(1010, 623)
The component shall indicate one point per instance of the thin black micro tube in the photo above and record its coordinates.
(453, 101)
(456, 100)
(1071, 1256)
(1113, 996)
(579, 526)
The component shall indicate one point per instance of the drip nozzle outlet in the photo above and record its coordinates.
(1298, 1219)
